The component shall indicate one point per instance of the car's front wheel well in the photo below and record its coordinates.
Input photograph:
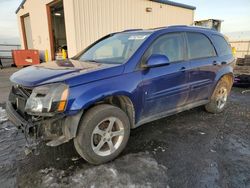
(123, 102)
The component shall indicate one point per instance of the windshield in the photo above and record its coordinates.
(116, 49)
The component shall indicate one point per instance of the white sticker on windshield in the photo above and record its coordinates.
(137, 37)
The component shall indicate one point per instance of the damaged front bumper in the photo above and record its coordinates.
(54, 130)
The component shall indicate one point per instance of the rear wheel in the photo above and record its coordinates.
(103, 133)
(219, 98)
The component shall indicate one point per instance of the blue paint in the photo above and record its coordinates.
(151, 90)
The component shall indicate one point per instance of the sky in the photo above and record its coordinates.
(235, 13)
(8, 21)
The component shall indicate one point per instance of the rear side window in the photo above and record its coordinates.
(199, 46)
(222, 46)
(170, 45)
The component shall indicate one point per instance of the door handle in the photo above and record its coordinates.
(183, 69)
(215, 63)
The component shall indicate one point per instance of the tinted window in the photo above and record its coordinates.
(221, 45)
(199, 46)
(170, 45)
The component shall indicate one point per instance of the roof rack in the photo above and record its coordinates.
(159, 27)
(194, 26)
(177, 26)
(202, 27)
(127, 30)
(169, 26)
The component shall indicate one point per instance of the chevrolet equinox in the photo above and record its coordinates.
(118, 83)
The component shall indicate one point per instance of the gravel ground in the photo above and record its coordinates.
(190, 149)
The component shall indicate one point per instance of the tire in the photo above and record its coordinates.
(219, 97)
(100, 126)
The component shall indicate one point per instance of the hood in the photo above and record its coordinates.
(65, 71)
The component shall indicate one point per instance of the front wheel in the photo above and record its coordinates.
(219, 98)
(103, 134)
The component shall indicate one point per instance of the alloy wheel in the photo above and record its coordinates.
(107, 136)
(221, 98)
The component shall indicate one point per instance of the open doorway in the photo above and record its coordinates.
(27, 32)
(57, 32)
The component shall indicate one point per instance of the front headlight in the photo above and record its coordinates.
(47, 99)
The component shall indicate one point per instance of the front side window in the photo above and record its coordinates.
(221, 45)
(199, 46)
(170, 45)
(116, 49)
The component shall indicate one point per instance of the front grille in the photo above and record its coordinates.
(18, 98)
(22, 91)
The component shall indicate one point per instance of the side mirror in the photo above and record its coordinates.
(156, 60)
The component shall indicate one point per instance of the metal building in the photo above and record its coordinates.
(74, 24)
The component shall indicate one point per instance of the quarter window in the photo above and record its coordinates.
(199, 46)
(170, 45)
(221, 45)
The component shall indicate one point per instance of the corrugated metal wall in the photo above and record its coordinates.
(88, 20)
(96, 18)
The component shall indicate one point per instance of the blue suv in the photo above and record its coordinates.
(118, 83)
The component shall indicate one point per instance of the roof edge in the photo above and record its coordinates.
(157, 1)
(167, 2)
(20, 6)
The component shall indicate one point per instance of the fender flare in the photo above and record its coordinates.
(71, 123)
(223, 72)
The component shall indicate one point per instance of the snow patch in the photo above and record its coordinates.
(132, 170)
(245, 91)
(3, 115)
(160, 149)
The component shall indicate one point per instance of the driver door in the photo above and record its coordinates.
(166, 87)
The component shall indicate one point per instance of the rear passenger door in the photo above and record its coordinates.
(166, 87)
(203, 66)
